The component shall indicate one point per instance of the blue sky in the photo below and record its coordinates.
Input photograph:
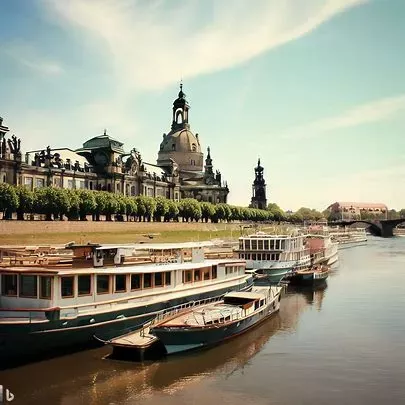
(314, 88)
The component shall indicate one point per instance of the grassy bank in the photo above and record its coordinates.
(45, 233)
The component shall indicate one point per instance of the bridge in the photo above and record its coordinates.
(382, 227)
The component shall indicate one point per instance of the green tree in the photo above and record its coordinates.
(101, 203)
(131, 207)
(162, 208)
(26, 201)
(8, 200)
(51, 201)
(172, 211)
(146, 207)
(87, 203)
(74, 205)
(207, 210)
(402, 213)
(189, 209)
(277, 213)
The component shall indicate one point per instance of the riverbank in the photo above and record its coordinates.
(61, 232)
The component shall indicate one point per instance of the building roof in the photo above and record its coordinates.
(65, 153)
(104, 141)
(348, 204)
(184, 141)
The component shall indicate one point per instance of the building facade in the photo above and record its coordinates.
(354, 210)
(102, 163)
(259, 199)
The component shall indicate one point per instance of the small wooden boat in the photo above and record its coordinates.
(313, 275)
(212, 324)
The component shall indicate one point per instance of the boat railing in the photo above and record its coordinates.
(171, 311)
(29, 315)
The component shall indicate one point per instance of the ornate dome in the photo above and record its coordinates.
(180, 141)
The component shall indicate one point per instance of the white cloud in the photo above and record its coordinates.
(30, 57)
(375, 111)
(153, 45)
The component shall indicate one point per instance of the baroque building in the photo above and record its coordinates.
(182, 148)
(102, 163)
(259, 189)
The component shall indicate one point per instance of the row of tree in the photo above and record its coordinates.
(56, 203)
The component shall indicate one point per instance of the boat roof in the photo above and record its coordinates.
(136, 268)
(256, 294)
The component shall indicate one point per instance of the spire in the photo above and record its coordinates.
(258, 162)
(105, 131)
(180, 111)
(208, 153)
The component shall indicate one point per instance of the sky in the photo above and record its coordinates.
(315, 88)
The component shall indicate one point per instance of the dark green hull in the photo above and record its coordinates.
(24, 342)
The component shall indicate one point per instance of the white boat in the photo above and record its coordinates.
(276, 255)
(106, 291)
(349, 237)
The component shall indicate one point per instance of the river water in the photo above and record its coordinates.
(343, 344)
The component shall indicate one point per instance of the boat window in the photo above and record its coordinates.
(256, 305)
(197, 275)
(168, 277)
(67, 286)
(158, 279)
(9, 285)
(135, 281)
(260, 244)
(206, 273)
(29, 286)
(147, 280)
(84, 285)
(214, 271)
(120, 283)
(45, 287)
(254, 244)
(247, 244)
(261, 303)
(187, 276)
(266, 244)
(103, 284)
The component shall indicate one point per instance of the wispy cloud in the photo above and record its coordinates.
(375, 111)
(154, 43)
(30, 57)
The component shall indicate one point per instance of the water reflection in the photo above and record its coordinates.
(88, 378)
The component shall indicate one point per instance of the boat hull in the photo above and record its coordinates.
(22, 342)
(185, 339)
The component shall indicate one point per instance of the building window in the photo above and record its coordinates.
(135, 281)
(197, 275)
(194, 147)
(168, 278)
(84, 285)
(9, 285)
(39, 183)
(174, 146)
(67, 284)
(82, 185)
(147, 280)
(91, 185)
(103, 284)
(158, 279)
(56, 182)
(121, 283)
(29, 286)
(70, 184)
(45, 287)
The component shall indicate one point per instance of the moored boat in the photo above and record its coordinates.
(275, 255)
(49, 309)
(316, 274)
(212, 324)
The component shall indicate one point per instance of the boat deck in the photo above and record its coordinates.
(207, 315)
(137, 339)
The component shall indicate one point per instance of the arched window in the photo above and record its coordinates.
(194, 147)
(179, 116)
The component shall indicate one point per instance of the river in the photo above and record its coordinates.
(343, 344)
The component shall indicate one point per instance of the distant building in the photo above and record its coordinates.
(259, 189)
(104, 164)
(352, 210)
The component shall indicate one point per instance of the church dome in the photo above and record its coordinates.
(180, 141)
